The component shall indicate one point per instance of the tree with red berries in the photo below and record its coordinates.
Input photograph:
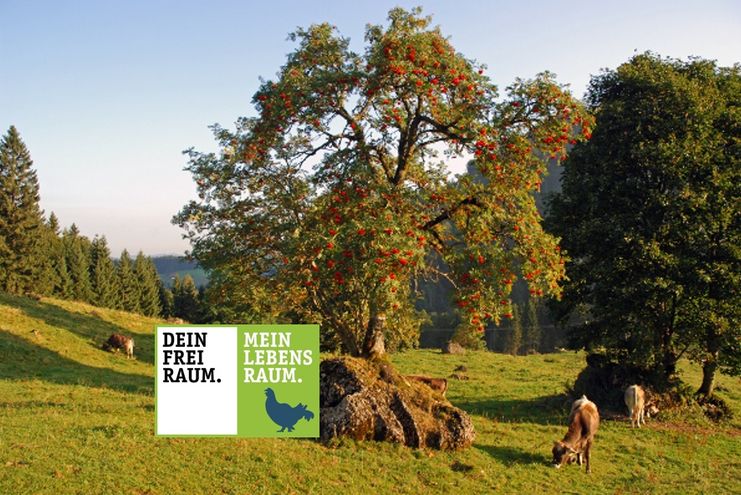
(338, 196)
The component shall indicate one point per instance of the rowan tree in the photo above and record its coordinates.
(330, 202)
(650, 215)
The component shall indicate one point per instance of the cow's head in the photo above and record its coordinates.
(562, 454)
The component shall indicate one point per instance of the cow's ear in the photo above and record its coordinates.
(571, 450)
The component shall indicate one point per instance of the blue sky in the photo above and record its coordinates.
(107, 94)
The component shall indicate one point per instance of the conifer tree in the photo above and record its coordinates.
(186, 299)
(532, 339)
(61, 283)
(77, 255)
(20, 216)
(103, 274)
(167, 301)
(514, 337)
(47, 277)
(148, 281)
(128, 284)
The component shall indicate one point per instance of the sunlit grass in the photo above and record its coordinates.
(75, 419)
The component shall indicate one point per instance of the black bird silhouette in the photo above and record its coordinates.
(284, 415)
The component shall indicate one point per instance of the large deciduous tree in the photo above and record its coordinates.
(329, 203)
(649, 212)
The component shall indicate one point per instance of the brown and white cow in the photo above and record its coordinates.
(118, 342)
(638, 408)
(577, 443)
(437, 384)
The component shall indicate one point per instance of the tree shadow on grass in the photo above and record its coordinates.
(89, 327)
(509, 455)
(546, 410)
(22, 360)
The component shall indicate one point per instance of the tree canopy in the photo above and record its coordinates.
(21, 219)
(649, 214)
(330, 203)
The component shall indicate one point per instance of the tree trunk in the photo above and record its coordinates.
(709, 367)
(373, 344)
(710, 363)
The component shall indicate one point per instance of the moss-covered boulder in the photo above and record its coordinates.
(370, 400)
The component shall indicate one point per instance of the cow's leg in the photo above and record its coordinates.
(588, 455)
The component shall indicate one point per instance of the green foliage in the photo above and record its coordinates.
(128, 285)
(514, 338)
(21, 219)
(531, 338)
(77, 251)
(47, 278)
(103, 274)
(649, 214)
(329, 204)
(186, 304)
(167, 301)
(148, 282)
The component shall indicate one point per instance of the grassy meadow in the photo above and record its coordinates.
(76, 419)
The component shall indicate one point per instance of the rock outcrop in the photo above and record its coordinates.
(370, 400)
(453, 348)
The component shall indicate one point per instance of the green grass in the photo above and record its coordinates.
(75, 419)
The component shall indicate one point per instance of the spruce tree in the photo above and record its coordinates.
(103, 274)
(128, 284)
(532, 341)
(77, 255)
(148, 280)
(514, 340)
(63, 281)
(47, 277)
(185, 293)
(20, 216)
(167, 301)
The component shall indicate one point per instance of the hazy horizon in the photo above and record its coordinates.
(107, 96)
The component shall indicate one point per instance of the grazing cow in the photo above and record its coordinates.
(438, 384)
(577, 443)
(118, 342)
(635, 399)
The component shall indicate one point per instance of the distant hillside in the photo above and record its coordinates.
(170, 266)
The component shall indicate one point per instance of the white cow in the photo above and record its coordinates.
(635, 399)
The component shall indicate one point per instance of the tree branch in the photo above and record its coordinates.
(449, 212)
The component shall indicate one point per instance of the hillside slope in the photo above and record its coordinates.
(75, 419)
